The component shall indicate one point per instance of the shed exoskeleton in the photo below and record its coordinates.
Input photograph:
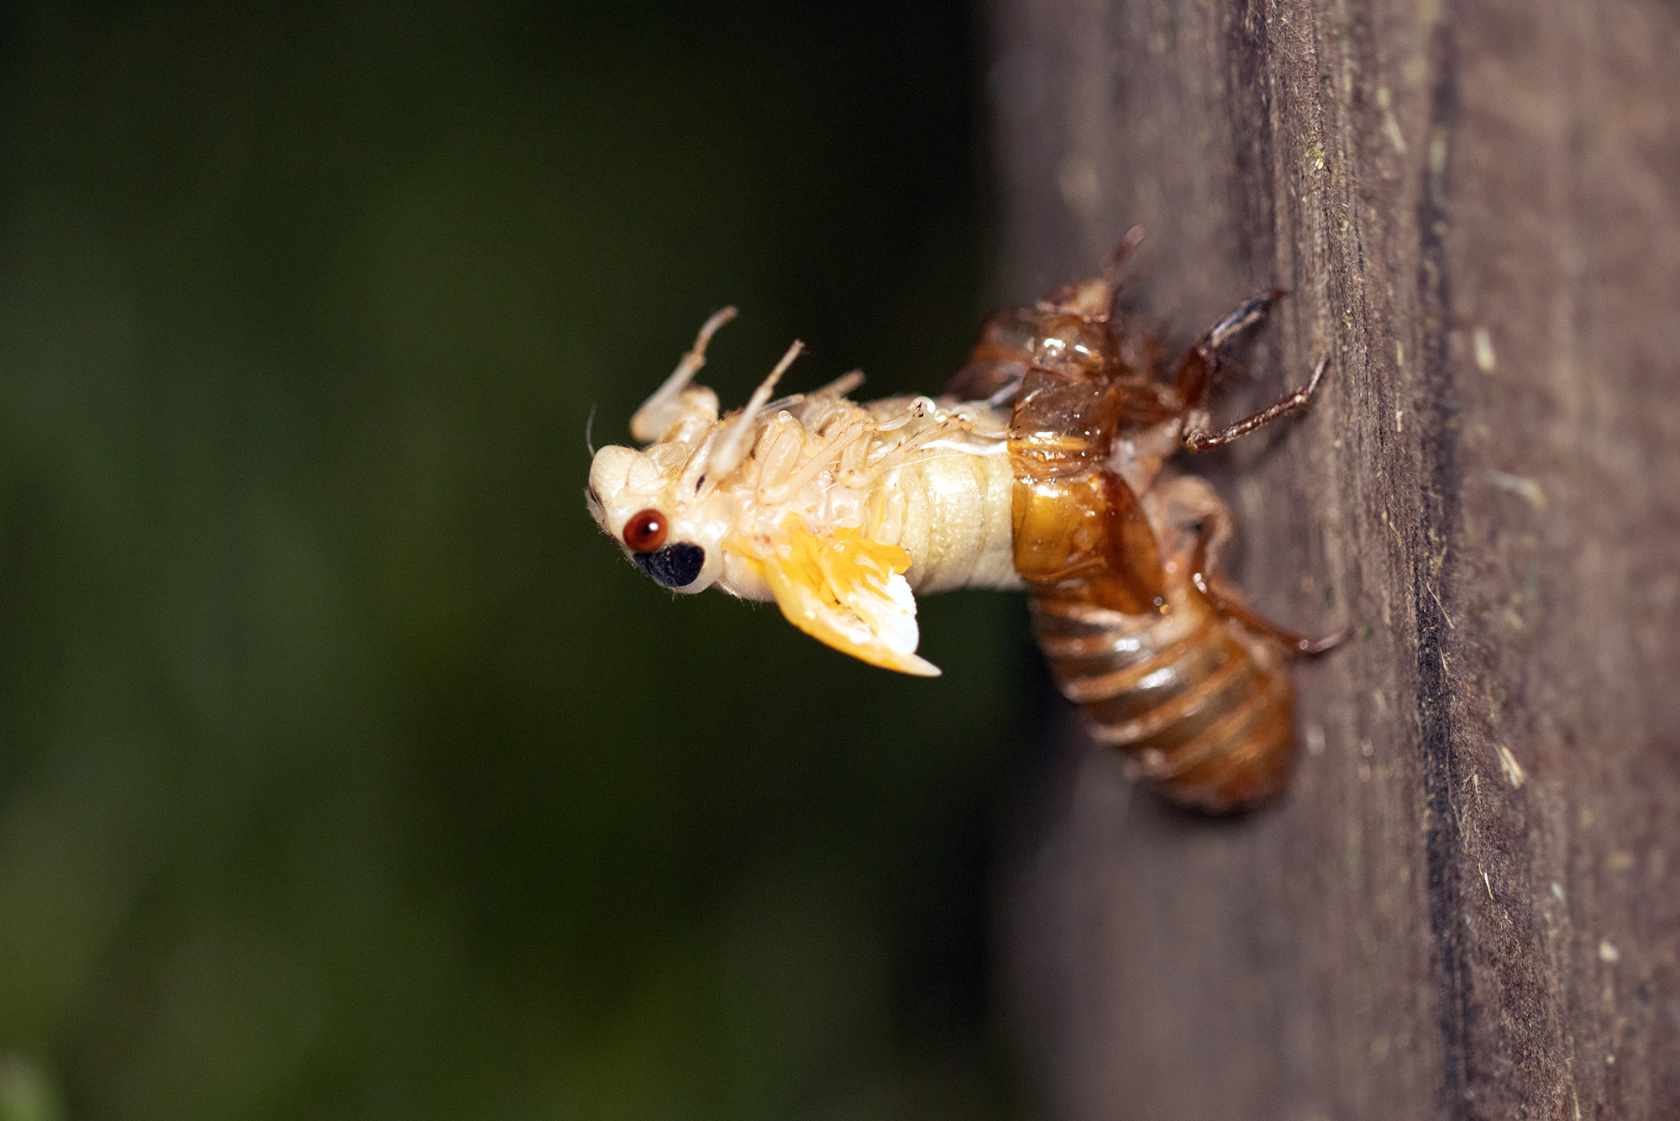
(1043, 465)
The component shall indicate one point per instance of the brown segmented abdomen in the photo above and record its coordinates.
(1197, 704)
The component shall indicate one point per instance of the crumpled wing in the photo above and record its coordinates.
(847, 591)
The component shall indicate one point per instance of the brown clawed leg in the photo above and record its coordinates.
(1200, 440)
(1231, 607)
(1244, 316)
(1196, 369)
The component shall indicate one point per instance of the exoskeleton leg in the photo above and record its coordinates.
(1231, 606)
(1200, 439)
(1196, 369)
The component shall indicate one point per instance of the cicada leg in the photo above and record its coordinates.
(1200, 440)
(1196, 369)
(1231, 606)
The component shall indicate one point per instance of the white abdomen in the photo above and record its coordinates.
(950, 510)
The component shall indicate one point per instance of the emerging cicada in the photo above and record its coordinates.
(1043, 466)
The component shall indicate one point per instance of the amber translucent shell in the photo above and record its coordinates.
(1200, 706)
(1074, 520)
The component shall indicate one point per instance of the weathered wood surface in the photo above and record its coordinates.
(1469, 906)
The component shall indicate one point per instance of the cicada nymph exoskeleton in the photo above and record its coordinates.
(1118, 550)
(1043, 465)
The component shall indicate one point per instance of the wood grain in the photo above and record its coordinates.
(1469, 906)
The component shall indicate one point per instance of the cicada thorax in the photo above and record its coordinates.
(1200, 705)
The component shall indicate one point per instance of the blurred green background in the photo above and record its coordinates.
(346, 770)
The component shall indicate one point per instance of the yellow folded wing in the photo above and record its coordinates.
(845, 590)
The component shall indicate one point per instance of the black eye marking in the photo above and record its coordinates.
(674, 566)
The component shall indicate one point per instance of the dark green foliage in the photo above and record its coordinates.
(345, 769)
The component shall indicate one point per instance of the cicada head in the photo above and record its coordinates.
(668, 528)
(671, 504)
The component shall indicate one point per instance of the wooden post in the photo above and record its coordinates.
(1469, 905)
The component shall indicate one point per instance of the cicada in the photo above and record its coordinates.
(1045, 465)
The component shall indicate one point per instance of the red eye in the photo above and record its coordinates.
(645, 531)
